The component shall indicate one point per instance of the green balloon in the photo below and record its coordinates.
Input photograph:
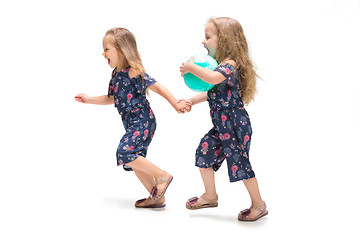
(195, 83)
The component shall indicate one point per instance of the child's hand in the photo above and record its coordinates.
(185, 66)
(184, 105)
(83, 98)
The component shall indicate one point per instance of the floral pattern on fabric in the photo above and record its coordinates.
(137, 116)
(231, 135)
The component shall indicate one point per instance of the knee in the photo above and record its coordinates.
(205, 170)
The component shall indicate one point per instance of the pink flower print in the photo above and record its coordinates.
(229, 95)
(223, 119)
(227, 136)
(131, 148)
(246, 138)
(146, 132)
(204, 149)
(136, 133)
(234, 169)
(217, 153)
(227, 71)
(129, 96)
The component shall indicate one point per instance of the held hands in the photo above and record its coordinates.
(184, 68)
(183, 106)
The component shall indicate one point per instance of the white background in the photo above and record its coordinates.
(58, 173)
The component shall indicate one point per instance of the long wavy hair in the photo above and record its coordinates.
(232, 45)
(125, 42)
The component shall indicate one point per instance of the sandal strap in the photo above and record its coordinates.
(213, 200)
(192, 200)
(259, 208)
(161, 180)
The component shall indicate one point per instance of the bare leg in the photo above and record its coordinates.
(208, 177)
(147, 167)
(143, 165)
(149, 183)
(253, 189)
(145, 179)
(256, 200)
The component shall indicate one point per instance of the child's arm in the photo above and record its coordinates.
(180, 106)
(100, 100)
(204, 74)
(199, 98)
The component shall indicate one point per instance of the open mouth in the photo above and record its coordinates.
(208, 52)
(108, 60)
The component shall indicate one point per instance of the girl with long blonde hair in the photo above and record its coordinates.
(127, 90)
(235, 86)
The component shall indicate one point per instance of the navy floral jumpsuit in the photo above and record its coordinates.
(231, 135)
(137, 116)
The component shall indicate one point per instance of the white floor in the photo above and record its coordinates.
(97, 202)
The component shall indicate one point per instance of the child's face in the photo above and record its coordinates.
(211, 39)
(114, 57)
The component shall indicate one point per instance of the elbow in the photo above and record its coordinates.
(213, 80)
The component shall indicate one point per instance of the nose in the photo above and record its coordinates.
(103, 54)
(203, 42)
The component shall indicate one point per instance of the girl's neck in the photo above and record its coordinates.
(123, 63)
(122, 66)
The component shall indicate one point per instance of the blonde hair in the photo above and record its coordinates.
(125, 42)
(232, 45)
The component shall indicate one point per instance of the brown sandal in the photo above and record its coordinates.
(155, 191)
(244, 214)
(149, 203)
(193, 204)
